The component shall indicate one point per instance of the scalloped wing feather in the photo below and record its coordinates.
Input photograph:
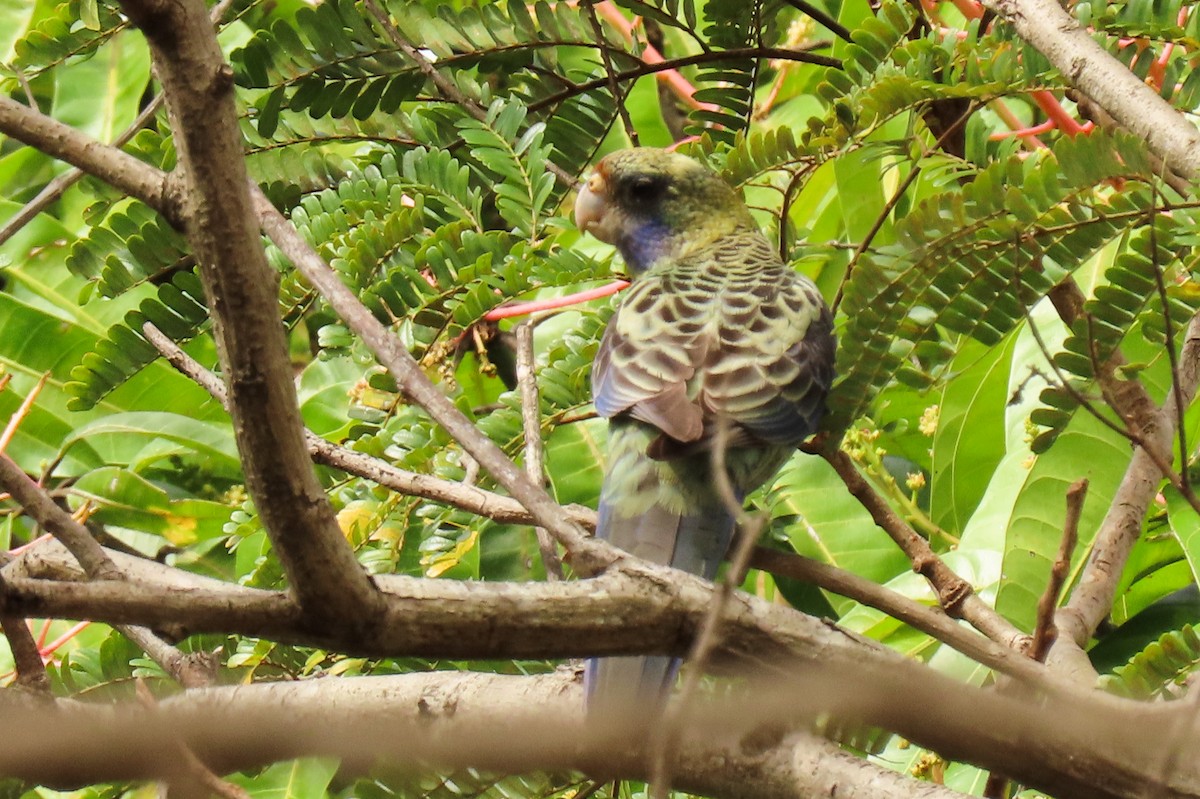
(728, 332)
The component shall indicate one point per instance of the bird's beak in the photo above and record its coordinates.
(591, 208)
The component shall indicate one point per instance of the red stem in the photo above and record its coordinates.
(550, 303)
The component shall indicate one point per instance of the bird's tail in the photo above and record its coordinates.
(653, 523)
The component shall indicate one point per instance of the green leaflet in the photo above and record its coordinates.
(1185, 523)
(970, 439)
(821, 520)
(1086, 449)
(292, 779)
(119, 498)
(140, 439)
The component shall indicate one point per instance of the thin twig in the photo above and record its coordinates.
(194, 670)
(955, 594)
(1134, 428)
(613, 85)
(667, 734)
(836, 28)
(19, 415)
(686, 61)
(56, 521)
(531, 419)
(929, 620)
(1173, 357)
(30, 97)
(27, 658)
(476, 500)
(191, 767)
(1045, 632)
(446, 87)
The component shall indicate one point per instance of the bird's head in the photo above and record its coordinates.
(655, 204)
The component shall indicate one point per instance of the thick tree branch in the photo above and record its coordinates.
(637, 609)
(242, 290)
(736, 746)
(504, 723)
(191, 777)
(1139, 108)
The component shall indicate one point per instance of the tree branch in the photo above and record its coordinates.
(470, 498)
(736, 746)
(242, 291)
(1045, 631)
(31, 671)
(110, 164)
(1093, 595)
(531, 423)
(1082, 61)
(640, 609)
(955, 595)
(587, 556)
(194, 670)
(56, 521)
(933, 621)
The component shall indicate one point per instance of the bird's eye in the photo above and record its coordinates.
(644, 189)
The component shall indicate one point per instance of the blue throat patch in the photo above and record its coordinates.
(644, 245)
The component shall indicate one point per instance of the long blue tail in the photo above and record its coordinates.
(665, 512)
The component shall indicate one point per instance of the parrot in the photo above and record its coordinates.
(716, 339)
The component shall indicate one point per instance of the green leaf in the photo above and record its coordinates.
(15, 16)
(1185, 523)
(101, 95)
(121, 498)
(293, 779)
(1085, 449)
(970, 439)
(141, 439)
(823, 521)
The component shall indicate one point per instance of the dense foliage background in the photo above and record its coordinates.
(1004, 262)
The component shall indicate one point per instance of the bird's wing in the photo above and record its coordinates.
(758, 352)
(774, 364)
(645, 361)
